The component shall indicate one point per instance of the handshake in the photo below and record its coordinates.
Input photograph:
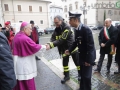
(47, 46)
(67, 52)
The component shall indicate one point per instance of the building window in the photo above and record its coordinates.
(65, 9)
(40, 8)
(76, 5)
(6, 7)
(19, 7)
(70, 7)
(41, 21)
(20, 21)
(30, 8)
(110, 12)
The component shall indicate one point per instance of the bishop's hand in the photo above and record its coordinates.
(47, 46)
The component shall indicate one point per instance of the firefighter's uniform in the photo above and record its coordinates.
(63, 38)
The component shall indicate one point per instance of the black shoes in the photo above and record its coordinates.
(116, 72)
(65, 79)
(96, 70)
(37, 58)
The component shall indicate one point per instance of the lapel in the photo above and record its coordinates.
(110, 29)
(79, 31)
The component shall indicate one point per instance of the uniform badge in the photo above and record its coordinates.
(80, 42)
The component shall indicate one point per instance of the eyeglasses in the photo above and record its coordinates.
(56, 23)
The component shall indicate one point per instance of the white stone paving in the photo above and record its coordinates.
(58, 62)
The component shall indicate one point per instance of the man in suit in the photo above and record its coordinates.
(107, 39)
(87, 53)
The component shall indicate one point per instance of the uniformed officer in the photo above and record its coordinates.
(63, 38)
(87, 53)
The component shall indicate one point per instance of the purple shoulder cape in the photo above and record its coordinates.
(24, 46)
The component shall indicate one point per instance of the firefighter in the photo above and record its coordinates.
(63, 38)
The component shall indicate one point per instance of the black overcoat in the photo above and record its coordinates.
(113, 33)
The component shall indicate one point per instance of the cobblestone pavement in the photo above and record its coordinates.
(101, 81)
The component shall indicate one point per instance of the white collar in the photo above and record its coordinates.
(79, 26)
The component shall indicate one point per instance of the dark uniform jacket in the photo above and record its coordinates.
(62, 37)
(84, 41)
(113, 32)
(7, 75)
(118, 41)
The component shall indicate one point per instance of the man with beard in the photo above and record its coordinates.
(63, 38)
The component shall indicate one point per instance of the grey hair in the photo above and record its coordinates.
(58, 17)
(22, 28)
(108, 19)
